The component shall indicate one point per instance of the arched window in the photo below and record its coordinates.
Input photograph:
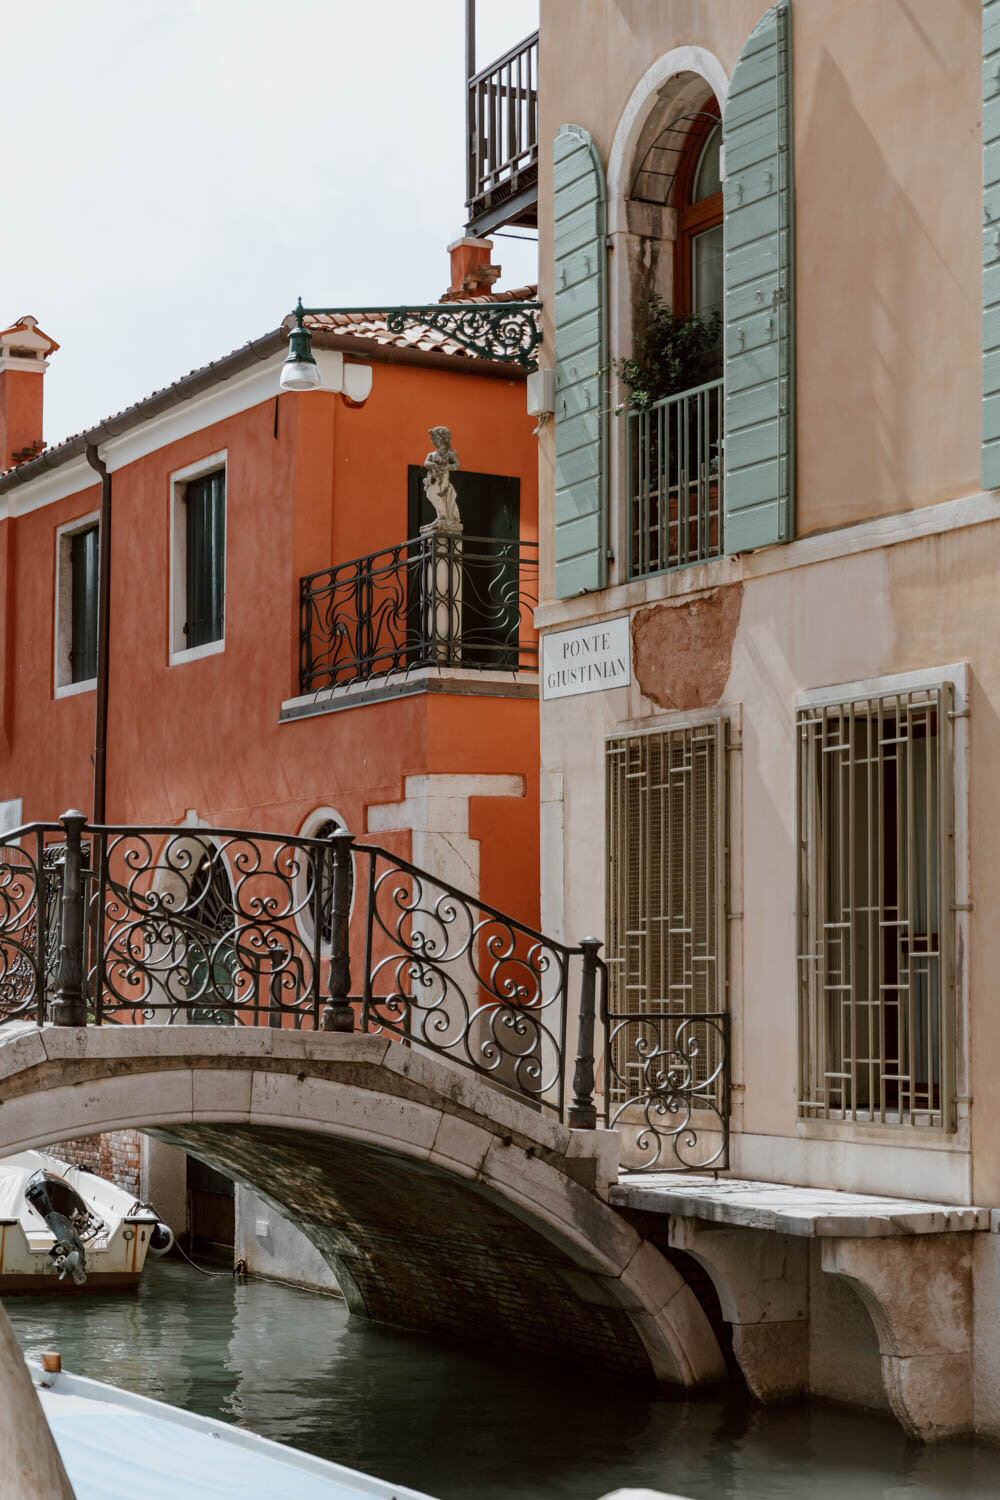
(698, 198)
(321, 823)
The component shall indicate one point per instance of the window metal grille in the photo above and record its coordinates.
(667, 912)
(875, 909)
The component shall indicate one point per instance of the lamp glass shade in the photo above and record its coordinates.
(300, 375)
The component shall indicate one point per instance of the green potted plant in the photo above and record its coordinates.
(674, 352)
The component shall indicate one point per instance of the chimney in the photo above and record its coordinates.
(472, 275)
(24, 351)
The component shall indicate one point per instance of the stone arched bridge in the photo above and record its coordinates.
(442, 1202)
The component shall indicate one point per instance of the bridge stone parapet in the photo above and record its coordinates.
(441, 1201)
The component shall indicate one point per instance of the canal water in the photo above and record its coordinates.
(461, 1424)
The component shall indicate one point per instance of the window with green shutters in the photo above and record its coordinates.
(205, 531)
(83, 618)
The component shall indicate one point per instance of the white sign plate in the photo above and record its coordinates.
(586, 660)
(10, 815)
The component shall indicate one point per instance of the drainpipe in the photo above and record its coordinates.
(103, 617)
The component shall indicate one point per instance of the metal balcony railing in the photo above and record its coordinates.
(503, 140)
(440, 600)
(674, 464)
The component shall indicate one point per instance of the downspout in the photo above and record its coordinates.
(103, 653)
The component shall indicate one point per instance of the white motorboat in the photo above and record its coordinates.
(113, 1443)
(63, 1229)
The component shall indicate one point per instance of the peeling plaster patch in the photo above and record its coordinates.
(682, 653)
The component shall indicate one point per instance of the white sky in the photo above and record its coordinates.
(178, 171)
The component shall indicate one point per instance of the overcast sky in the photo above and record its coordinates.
(178, 171)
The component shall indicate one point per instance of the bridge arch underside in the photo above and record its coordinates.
(442, 1203)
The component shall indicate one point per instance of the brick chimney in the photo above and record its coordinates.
(471, 271)
(24, 351)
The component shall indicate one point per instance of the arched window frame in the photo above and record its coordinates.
(693, 219)
(313, 826)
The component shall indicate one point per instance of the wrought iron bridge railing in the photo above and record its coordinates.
(674, 460)
(441, 599)
(503, 140)
(165, 925)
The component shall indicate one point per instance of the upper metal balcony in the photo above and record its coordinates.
(502, 137)
(438, 600)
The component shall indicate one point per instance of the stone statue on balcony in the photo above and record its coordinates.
(437, 481)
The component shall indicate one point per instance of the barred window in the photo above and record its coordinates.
(666, 899)
(875, 908)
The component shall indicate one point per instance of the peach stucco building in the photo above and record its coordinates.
(770, 698)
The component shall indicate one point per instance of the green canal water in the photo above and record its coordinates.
(460, 1424)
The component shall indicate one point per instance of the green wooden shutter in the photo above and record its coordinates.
(205, 500)
(991, 244)
(759, 307)
(84, 571)
(581, 511)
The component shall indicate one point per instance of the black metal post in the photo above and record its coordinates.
(583, 1111)
(339, 1014)
(69, 1007)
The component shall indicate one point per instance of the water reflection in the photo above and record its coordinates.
(293, 1366)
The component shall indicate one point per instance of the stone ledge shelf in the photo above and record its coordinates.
(813, 1213)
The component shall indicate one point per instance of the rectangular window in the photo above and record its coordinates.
(83, 618)
(875, 908)
(74, 625)
(205, 530)
(667, 878)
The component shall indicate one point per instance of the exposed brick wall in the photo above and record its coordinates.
(412, 1246)
(114, 1156)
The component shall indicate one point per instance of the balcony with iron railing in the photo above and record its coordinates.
(440, 600)
(502, 139)
(675, 477)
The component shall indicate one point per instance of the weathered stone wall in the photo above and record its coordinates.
(114, 1155)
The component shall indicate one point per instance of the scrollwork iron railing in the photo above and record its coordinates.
(166, 925)
(442, 600)
(216, 926)
(666, 1089)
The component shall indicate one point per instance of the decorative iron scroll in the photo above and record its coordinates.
(508, 332)
(447, 973)
(667, 1090)
(202, 926)
(212, 926)
(440, 600)
(26, 867)
(504, 332)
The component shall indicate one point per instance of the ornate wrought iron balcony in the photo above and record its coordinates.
(502, 119)
(439, 600)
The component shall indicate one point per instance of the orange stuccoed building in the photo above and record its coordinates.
(287, 649)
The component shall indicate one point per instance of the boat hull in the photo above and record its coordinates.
(48, 1284)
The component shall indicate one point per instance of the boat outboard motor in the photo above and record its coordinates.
(62, 1208)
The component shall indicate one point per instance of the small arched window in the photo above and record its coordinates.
(698, 253)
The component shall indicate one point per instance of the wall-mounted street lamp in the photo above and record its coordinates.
(300, 372)
(504, 332)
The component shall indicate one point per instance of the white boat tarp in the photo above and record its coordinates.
(116, 1452)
